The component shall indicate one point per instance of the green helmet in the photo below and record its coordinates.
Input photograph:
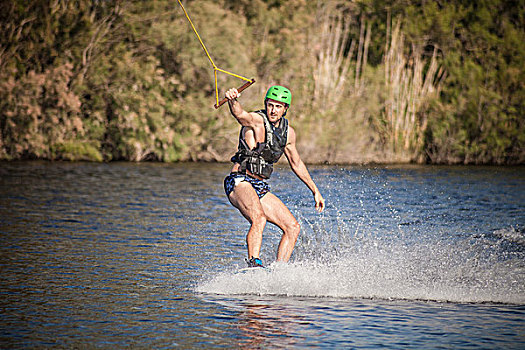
(279, 93)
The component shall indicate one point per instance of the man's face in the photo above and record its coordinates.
(275, 110)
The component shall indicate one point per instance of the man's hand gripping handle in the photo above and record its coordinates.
(242, 88)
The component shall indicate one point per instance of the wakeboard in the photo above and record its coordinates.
(251, 269)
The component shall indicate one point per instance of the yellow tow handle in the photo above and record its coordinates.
(216, 69)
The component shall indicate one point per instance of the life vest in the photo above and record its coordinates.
(260, 160)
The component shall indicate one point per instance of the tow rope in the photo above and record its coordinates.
(216, 69)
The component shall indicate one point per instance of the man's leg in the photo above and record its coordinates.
(244, 198)
(277, 213)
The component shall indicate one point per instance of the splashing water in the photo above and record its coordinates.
(462, 271)
(382, 250)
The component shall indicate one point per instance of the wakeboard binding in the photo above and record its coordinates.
(254, 262)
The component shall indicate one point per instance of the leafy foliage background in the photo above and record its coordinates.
(372, 80)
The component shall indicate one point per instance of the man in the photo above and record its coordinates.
(265, 135)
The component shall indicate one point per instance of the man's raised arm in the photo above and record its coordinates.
(244, 118)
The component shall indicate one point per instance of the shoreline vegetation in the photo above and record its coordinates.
(373, 81)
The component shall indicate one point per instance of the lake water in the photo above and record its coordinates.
(146, 256)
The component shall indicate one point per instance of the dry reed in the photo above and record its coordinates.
(410, 82)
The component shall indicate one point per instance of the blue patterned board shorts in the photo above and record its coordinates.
(232, 180)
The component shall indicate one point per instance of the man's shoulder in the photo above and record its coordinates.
(291, 134)
(260, 112)
(258, 116)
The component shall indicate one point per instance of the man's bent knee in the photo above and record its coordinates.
(258, 220)
(293, 230)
